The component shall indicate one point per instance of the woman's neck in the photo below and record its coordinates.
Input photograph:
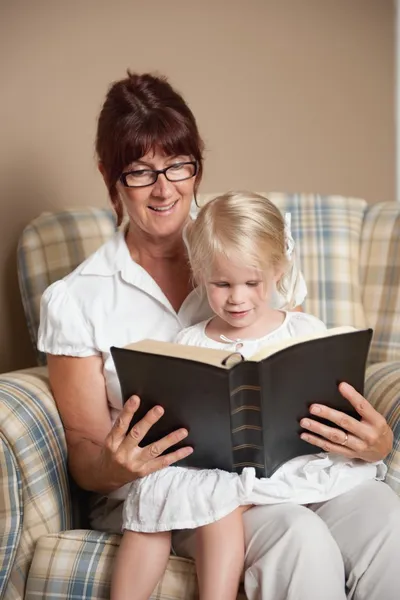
(166, 261)
(146, 249)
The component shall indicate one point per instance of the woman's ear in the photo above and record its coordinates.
(102, 170)
(114, 195)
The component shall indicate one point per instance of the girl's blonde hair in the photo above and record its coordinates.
(243, 227)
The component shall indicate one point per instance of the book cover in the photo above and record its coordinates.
(242, 412)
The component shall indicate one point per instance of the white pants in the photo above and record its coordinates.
(348, 547)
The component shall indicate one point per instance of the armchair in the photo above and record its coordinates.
(350, 256)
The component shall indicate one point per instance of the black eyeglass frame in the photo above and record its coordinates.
(157, 172)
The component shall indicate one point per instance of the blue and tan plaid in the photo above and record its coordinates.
(52, 246)
(380, 279)
(10, 517)
(382, 388)
(34, 480)
(42, 555)
(327, 232)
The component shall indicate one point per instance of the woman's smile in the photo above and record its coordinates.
(165, 209)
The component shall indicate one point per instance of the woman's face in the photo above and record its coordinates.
(159, 210)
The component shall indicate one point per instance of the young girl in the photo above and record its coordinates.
(241, 252)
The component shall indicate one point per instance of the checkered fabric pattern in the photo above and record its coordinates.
(327, 231)
(380, 279)
(36, 510)
(382, 388)
(35, 497)
(52, 246)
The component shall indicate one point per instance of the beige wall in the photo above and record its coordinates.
(289, 95)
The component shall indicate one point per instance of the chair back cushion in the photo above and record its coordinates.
(52, 246)
(380, 279)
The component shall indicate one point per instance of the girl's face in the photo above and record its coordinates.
(238, 294)
(159, 210)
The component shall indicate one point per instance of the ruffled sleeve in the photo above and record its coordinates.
(188, 336)
(63, 328)
(302, 324)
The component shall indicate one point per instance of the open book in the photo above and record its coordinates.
(239, 412)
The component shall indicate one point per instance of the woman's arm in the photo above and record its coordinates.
(370, 439)
(102, 457)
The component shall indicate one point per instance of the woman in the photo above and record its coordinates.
(138, 285)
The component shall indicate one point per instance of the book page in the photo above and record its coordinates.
(272, 348)
(215, 357)
(209, 356)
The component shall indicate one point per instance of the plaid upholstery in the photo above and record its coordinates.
(10, 517)
(380, 278)
(35, 497)
(382, 388)
(89, 556)
(34, 490)
(327, 231)
(52, 246)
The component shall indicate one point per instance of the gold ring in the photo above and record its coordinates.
(345, 440)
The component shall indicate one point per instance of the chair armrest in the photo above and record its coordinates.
(382, 388)
(34, 488)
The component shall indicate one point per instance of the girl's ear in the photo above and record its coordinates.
(278, 274)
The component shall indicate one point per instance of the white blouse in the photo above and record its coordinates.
(295, 325)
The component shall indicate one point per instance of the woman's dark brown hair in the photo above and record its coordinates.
(141, 113)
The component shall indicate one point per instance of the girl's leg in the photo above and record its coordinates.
(220, 557)
(140, 563)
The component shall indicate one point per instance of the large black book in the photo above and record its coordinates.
(239, 412)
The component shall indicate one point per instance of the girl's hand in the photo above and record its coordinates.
(370, 439)
(123, 456)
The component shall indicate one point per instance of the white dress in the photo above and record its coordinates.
(185, 498)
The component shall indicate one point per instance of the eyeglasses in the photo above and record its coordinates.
(145, 177)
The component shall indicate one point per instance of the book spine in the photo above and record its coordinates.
(246, 423)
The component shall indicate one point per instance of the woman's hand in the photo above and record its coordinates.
(101, 456)
(123, 456)
(370, 439)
